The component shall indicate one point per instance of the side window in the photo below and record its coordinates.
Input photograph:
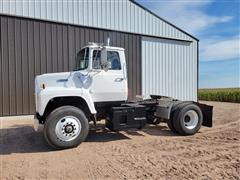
(96, 59)
(114, 62)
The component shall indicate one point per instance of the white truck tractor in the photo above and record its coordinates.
(97, 89)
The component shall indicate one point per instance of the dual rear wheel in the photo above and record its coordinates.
(186, 119)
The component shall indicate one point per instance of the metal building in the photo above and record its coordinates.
(39, 37)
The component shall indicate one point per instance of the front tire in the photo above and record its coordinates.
(66, 127)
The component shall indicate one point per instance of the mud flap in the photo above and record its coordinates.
(207, 114)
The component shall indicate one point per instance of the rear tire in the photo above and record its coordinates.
(187, 119)
(170, 124)
(66, 127)
(174, 115)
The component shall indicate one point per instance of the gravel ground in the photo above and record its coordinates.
(153, 153)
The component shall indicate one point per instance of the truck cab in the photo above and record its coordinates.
(97, 89)
(99, 76)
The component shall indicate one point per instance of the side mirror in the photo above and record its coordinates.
(104, 62)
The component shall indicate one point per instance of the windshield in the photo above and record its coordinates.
(82, 59)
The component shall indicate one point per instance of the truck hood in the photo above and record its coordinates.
(74, 79)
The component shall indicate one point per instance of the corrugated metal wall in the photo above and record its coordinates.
(169, 68)
(32, 47)
(120, 15)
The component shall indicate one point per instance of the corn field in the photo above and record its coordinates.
(220, 94)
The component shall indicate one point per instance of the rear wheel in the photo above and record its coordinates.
(188, 119)
(170, 124)
(174, 115)
(66, 127)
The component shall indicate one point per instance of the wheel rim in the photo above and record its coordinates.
(68, 128)
(191, 119)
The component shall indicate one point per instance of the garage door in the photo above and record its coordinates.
(169, 68)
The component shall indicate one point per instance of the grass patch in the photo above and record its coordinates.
(220, 94)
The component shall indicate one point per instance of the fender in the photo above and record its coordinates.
(44, 96)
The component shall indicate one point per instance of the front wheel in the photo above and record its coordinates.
(66, 127)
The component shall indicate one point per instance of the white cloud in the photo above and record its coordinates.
(189, 15)
(220, 49)
(192, 16)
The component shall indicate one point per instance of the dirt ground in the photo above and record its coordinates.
(153, 153)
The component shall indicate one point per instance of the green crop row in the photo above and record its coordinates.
(220, 94)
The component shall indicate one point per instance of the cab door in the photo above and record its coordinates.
(110, 85)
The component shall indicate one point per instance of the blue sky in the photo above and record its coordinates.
(217, 25)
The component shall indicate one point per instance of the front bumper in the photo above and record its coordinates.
(35, 123)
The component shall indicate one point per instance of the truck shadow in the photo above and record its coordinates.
(101, 134)
(158, 130)
(24, 139)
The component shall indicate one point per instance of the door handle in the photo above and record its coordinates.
(119, 79)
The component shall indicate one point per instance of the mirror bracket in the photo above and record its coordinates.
(104, 62)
